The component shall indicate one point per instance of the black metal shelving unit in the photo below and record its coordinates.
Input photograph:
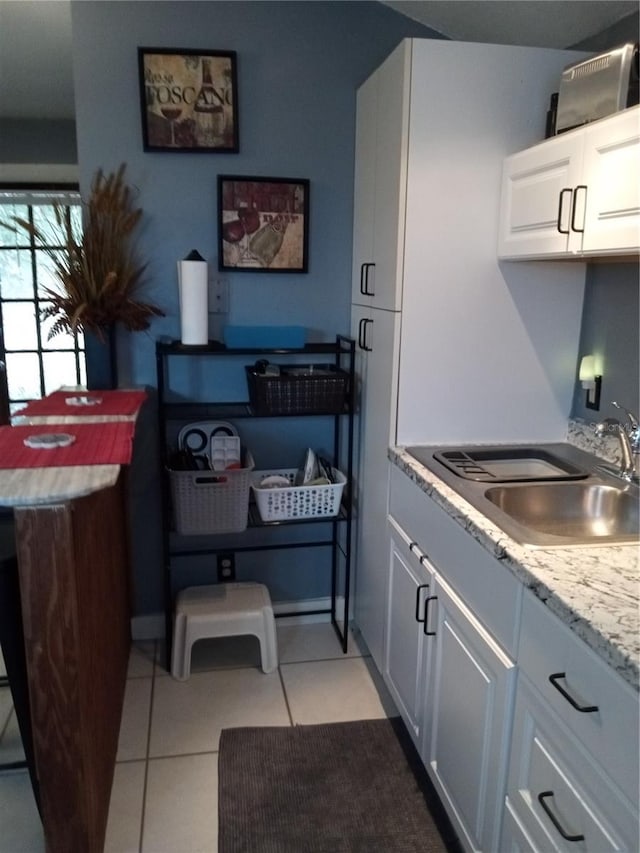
(340, 353)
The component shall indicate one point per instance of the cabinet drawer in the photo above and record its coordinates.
(514, 837)
(558, 791)
(489, 589)
(549, 648)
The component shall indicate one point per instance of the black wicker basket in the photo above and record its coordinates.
(298, 390)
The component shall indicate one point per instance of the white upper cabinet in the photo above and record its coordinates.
(364, 188)
(612, 174)
(382, 128)
(535, 212)
(576, 194)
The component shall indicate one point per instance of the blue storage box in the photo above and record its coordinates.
(265, 337)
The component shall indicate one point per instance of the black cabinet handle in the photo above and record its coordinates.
(584, 709)
(364, 279)
(426, 611)
(418, 619)
(421, 557)
(560, 206)
(542, 797)
(362, 334)
(360, 327)
(573, 208)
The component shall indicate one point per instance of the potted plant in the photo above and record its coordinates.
(97, 271)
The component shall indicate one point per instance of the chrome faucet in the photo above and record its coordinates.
(629, 437)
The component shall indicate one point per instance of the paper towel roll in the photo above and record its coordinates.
(194, 306)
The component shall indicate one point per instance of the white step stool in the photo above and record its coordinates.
(222, 610)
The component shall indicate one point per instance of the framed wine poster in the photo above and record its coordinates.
(188, 100)
(263, 224)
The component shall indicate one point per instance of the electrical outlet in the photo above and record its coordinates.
(219, 296)
(226, 568)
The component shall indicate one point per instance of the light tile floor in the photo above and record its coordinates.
(165, 791)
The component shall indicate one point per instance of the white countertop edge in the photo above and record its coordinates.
(24, 487)
(43, 420)
(535, 569)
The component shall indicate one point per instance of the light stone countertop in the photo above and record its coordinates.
(593, 590)
(20, 487)
(21, 420)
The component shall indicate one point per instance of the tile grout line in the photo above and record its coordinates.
(5, 728)
(286, 698)
(148, 748)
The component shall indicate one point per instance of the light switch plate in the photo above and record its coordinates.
(219, 296)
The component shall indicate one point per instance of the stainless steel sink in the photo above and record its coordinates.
(585, 512)
(536, 506)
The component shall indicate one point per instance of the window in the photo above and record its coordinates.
(35, 364)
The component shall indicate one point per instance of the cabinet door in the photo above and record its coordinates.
(382, 132)
(392, 137)
(410, 582)
(612, 185)
(537, 199)
(468, 711)
(364, 189)
(378, 338)
(364, 592)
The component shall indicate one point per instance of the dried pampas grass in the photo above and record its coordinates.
(97, 271)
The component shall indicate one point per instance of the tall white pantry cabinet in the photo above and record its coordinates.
(452, 345)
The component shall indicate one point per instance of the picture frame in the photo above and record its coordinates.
(188, 100)
(263, 224)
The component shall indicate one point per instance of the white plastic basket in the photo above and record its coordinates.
(206, 502)
(297, 502)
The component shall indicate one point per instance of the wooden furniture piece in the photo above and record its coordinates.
(12, 645)
(72, 548)
(73, 571)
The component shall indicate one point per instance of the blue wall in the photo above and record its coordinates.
(299, 65)
(610, 331)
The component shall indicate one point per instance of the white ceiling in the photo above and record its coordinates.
(36, 79)
(535, 23)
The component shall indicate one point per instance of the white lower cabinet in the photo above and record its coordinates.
(573, 776)
(559, 794)
(515, 838)
(411, 583)
(453, 686)
(549, 767)
(468, 703)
